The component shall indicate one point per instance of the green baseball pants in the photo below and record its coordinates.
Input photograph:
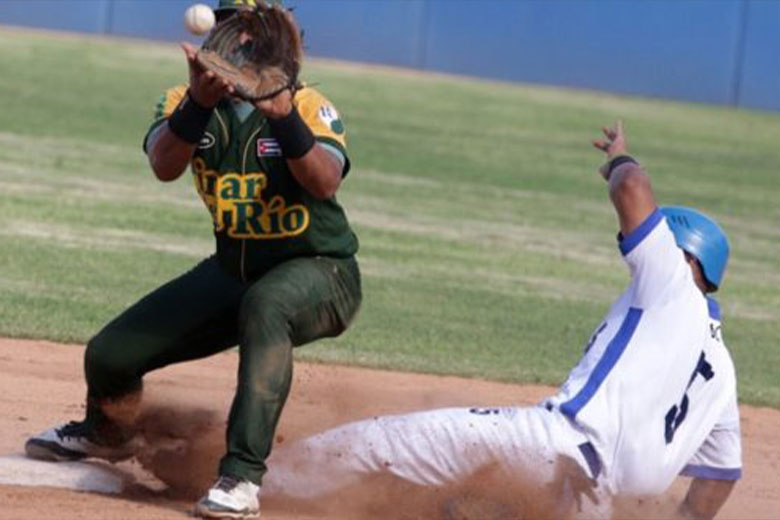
(206, 311)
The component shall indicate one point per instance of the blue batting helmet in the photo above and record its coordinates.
(702, 237)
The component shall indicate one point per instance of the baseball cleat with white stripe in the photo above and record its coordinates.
(73, 441)
(231, 498)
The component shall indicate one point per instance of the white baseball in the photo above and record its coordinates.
(199, 19)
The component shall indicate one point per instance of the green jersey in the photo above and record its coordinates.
(261, 215)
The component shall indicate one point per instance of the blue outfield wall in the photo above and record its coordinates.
(667, 48)
(154, 19)
(759, 78)
(713, 51)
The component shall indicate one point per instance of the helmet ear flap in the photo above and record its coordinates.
(701, 237)
(709, 287)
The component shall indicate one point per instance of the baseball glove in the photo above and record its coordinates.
(258, 51)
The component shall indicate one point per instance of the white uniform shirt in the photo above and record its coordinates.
(655, 392)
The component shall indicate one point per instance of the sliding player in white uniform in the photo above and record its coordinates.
(653, 396)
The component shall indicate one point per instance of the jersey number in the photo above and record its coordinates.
(485, 411)
(676, 414)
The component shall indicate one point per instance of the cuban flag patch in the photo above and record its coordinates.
(268, 147)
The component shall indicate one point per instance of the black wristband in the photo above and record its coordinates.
(293, 134)
(189, 120)
(619, 160)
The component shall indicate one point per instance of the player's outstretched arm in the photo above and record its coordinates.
(629, 185)
(705, 498)
(317, 171)
(170, 146)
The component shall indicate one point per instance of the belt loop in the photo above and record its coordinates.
(592, 458)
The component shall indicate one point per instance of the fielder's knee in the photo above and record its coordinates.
(263, 315)
(109, 374)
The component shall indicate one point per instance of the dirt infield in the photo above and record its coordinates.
(41, 384)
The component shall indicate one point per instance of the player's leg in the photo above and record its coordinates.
(431, 448)
(295, 303)
(527, 449)
(189, 317)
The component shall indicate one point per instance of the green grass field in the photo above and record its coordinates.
(488, 242)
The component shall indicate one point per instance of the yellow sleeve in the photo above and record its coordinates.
(321, 116)
(169, 101)
(165, 107)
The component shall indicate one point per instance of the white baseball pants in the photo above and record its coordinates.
(442, 447)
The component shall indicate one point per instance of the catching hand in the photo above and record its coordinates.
(259, 52)
(206, 87)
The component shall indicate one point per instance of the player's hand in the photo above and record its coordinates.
(614, 145)
(206, 88)
(278, 106)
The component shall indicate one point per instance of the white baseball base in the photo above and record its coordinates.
(19, 470)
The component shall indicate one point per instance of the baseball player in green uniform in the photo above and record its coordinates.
(283, 275)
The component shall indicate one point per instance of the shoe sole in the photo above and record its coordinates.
(205, 511)
(52, 452)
